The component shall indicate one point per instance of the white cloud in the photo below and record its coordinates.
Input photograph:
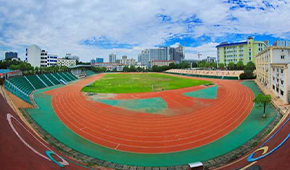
(60, 26)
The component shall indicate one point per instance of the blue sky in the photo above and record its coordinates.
(93, 29)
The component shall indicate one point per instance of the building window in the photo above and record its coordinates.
(273, 69)
(282, 57)
(282, 92)
(273, 87)
(282, 70)
(282, 82)
(274, 78)
(277, 89)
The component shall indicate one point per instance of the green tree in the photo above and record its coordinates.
(213, 65)
(262, 101)
(132, 68)
(172, 65)
(126, 69)
(36, 69)
(250, 67)
(240, 65)
(201, 64)
(194, 64)
(13, 67)
(231, 66)
(221, 65)
(207, 65)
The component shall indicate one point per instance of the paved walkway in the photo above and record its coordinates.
(276, 101)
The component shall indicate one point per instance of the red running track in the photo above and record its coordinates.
(190, 123)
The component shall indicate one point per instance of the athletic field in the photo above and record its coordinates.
(140, 83)
(164, 128)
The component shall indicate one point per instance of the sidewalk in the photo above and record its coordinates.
(278, 103)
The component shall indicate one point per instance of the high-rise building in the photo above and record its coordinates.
(99, 60)
(161, 54)
(112, 58)
(143, 58)
(10, 55)
(176, 54)
(241, 51)
(282, 43)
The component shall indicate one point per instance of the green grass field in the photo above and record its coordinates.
(139, 83)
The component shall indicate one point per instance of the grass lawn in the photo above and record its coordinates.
(138, 83)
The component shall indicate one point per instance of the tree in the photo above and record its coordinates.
(221, 65)
(132, 68)
(172, 65)
(213, 65)
(250, 67)
(200, 64)
(262, 101)
(231, 66)
(207, 65)
(194, 64)
(240, 65)
(126, 69)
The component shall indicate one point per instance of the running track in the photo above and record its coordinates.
(21, 149)
(188, 126)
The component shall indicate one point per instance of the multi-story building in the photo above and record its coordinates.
(241, 51)
(99, 60)
(160, 63)
(161, 54)
(66, 62)
(282, 43)
(143, 58)
(128, 62)
(272, 67)
(36, 57)
(93, 61)
(51, 60)
(112, 58)
(210, 59)
(176, 54)
(111, 66)
(10, 55)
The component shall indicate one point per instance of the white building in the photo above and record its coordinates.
(66, 62)
(36, 57)
(160, 63)
(51, 60)
(273, 70)
(112, 58)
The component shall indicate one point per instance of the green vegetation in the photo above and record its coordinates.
(208, 65)
(138, 83)
(262, 100)
(248, 71)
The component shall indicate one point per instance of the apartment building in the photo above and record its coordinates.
(240, 51)
(272, 67)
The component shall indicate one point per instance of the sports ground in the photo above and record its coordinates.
(191, 124)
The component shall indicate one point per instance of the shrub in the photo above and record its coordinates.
(247, 76)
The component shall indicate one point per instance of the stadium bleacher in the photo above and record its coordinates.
(218, 74)
(23, 86)
(89, 72)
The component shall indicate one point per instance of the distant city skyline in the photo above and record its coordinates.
(89, 29)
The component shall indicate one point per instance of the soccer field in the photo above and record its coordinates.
(139, 83)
